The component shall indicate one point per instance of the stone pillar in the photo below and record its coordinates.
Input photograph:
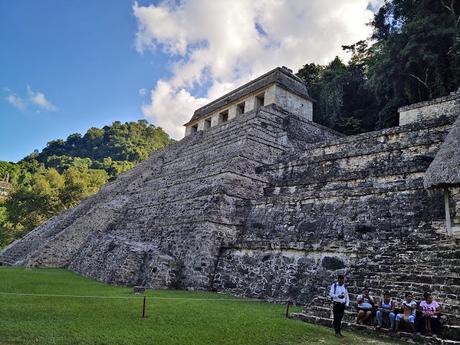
(456, 199)
(250, 104)
(447, 209)
(232, 112)
(270, 93)
(188, 130)
(201, 125)
(309, 110)
(455, 194)
(215, 119)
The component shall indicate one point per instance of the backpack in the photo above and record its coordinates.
(335, 288)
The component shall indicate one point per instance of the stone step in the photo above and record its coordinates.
(368, 171)
(432, 272)
(197, 182)
(237, 138)
(447, 279)
(237, 130)
(400, 295)
(371, 175)
(212, 151)
(194, 174)
(322, 307)
(350, 313)
(350, 148)
(450, 301)
(7, 260)
(401, 136)
(404, 336)
(419, 287)
(419, 257)
(448, 254)
(206, 145)
(348, 186)
(413, 268)
(452, 311)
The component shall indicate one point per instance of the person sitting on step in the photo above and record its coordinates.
(431, 312)
(386, 311)
(409, 308)
(365, 306)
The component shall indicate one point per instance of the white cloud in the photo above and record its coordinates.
(142, 92)
(177, 102)
(16, 101)
(35, 99)
(218, 45)
(39, 99)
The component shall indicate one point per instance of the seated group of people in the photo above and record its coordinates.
(422, 317)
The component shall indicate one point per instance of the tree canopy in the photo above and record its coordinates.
(412, 56)
(67, 171)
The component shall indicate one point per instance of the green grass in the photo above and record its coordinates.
(64, 320)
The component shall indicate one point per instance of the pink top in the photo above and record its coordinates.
(429, 308)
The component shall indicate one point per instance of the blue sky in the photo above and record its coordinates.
(66, 66)
(81, 55)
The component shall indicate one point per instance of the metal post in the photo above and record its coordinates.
(287, 308)
(143, 309)
(447, 209)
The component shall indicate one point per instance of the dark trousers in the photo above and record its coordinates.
(338, 309)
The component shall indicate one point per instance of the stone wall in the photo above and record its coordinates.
(335, 201)
(293, 103)
(442, 106)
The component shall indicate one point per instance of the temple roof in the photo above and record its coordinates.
(445, 168)
(282, 76)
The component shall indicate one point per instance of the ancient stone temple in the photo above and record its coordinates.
(279, 87)
(258, 200)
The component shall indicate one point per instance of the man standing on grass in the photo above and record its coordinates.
(340, 300)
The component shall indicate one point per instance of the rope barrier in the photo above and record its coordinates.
(130, 297)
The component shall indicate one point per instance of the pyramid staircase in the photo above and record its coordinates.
(416, 267)
(377, 178)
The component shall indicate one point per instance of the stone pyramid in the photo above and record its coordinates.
(258, 200)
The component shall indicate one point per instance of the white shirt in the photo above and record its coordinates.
(367, 302)
(339, 290)
(412, 304)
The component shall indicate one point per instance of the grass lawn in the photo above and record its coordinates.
(187, 320)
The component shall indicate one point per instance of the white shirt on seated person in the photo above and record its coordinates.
(367, 302)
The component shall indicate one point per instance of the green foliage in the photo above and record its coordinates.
(9, 169)
(414, 55)
(131, 141)
(343, 101)
(67, 171)
(173, 317)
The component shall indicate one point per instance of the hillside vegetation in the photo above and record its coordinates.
(66, 171)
